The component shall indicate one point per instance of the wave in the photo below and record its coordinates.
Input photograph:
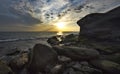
(21, 39)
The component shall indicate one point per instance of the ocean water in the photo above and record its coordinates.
(24, 40)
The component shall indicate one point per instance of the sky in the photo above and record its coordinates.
(42, 15)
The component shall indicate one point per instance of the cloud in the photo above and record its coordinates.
(10, 15)
(32, 12)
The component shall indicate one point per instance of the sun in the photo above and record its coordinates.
(60, 25)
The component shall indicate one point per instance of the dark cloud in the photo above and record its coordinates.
(11, 16)
(20, 20)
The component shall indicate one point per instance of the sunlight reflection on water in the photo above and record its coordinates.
(60, 33)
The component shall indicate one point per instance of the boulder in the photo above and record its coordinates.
(5, 69)
(55, 40)
(71, 38)
(101, 30)
(77, 53)
(107, 66)
(19, 62)
(41, 59)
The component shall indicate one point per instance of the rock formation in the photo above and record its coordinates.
(101, 30)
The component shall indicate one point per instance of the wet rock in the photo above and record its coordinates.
(107, 66)
(42, 58)
(19, 62)
(5, 69)
(55, 40)
(101, 31)
(77, 53)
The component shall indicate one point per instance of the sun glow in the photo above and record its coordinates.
(60, 26)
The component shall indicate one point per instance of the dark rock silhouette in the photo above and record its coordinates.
(41, 58)
(101, 30)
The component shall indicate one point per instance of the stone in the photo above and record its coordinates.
(113, 57)
(84, 63)
(84, 67)
(18, 63)
(107, 66)
(42, 58)
(69, 71)
(77, 53)
(77, 66)
(79, 72)
(101, 31)
(64, 59)
(58, 69)
(70, 64)
(54, 40)
(5, 69)
(71, 38)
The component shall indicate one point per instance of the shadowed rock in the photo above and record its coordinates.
(18, 63)
(77, 53)
(54, 40)
(107, 66)
(42, 57)
(4, 69)
(101, 30)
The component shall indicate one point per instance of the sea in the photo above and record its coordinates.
(24, 40)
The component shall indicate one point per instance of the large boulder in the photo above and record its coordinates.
(101, 30)
(42, 58)
(77, 53)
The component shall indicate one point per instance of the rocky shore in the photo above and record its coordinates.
(95, 50)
